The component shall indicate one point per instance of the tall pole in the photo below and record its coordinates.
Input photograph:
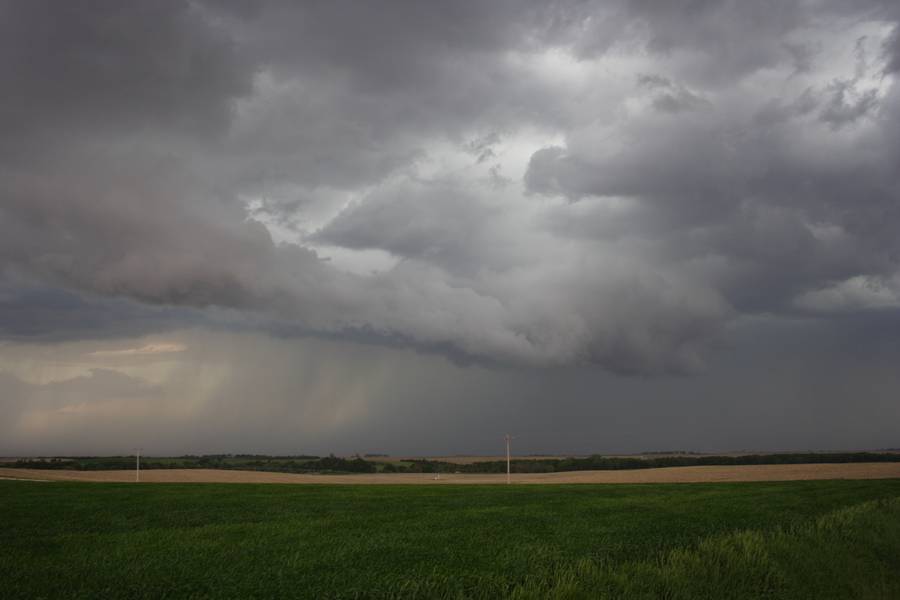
(507, 458)
(137, 469)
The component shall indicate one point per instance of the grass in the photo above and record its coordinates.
(739, 540)
(849, 553)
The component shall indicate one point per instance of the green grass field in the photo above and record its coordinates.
(824, 539)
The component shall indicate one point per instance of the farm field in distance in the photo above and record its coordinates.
(804, 539)
(692, 474)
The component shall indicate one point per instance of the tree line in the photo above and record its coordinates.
(357, 464)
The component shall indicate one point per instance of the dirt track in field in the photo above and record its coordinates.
(666, 475)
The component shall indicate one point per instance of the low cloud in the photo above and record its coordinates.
(600, 183)
(146, 350)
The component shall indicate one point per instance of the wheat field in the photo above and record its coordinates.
(699, 474)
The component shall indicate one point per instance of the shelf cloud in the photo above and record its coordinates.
(606, 185)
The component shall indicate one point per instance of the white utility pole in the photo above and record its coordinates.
(508, 437)
(137, 466)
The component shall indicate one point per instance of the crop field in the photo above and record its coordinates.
(805, 539)
(700, 474)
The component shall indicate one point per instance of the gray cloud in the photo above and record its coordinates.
(439, 222)
(605, 183)
(29, 312)
(810, 388)
(113, 68)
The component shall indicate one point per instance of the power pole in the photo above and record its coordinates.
(137, 466)
(508, 437)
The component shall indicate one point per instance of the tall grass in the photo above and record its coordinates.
(847, 554)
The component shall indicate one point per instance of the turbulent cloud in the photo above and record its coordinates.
(604, 183)
(146, 350)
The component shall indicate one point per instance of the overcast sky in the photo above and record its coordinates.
(412, 227)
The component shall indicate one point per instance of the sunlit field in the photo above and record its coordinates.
(823, 539)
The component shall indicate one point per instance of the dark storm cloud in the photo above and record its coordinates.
(770, 193)
(575, 182)
(892, 52)
(116, 67)
(51, 314)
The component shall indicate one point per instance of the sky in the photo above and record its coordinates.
(408, 227)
